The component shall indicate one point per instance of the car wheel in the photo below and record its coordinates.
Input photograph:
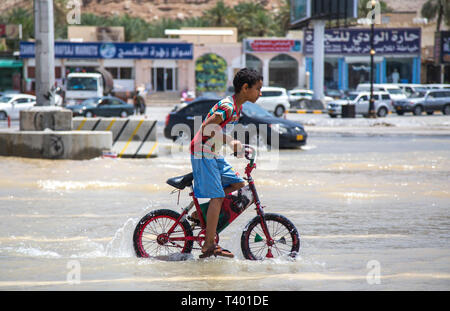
(279, 110)
(3, 115)
(123, 114)
(88, 114)
(418, 110)
(446, 110)
(400, 113)
(333, 115)
(430, 113)
(382, 112)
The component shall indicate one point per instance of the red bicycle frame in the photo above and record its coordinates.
(259, 210)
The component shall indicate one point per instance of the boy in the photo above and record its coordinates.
(213, 176)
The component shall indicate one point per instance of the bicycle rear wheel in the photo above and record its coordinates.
(150, 236)
(283, 232)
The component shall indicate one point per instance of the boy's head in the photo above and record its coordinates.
(248, 81)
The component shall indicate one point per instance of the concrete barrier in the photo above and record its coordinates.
(54, 145)
(131, 138)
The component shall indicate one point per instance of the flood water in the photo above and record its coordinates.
(372, 213)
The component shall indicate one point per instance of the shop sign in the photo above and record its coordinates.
(272, 45)
(358, 41)
(445, 47)
(114, 50)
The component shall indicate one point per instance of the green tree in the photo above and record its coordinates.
(363, 10)
(218, 16)
(439, 9)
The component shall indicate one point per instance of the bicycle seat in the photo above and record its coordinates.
(181, 182)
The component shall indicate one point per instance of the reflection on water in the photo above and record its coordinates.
(353, 200)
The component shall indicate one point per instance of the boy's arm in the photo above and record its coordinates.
(216, 119)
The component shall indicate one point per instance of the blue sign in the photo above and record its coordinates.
(357, 41)
(114, 50)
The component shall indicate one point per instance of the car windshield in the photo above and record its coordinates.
(395, 91)
(82, 84)
(253, 110)
(5, 99)
(418, 94)
(352, 96)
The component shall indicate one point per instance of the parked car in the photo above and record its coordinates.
(394, 91)
(180, 124)
(430, 100)
(11, 104)
(383, 104)
(438, 86)
(410, 88)
(105, 106)
(274, 99)
(297, 95)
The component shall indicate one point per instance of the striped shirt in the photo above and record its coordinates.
(227, 109)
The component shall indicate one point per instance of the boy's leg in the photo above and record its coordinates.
(234, 187)
(212, 219)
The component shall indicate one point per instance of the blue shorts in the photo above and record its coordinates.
(211, 176)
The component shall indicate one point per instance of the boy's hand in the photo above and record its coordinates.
(237, 148)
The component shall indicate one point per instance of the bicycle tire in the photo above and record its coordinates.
(151, 227)
(282, 231)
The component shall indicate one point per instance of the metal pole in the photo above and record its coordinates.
(318, 66)
(44, 52)
(372, 113)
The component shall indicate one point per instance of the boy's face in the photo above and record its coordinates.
(253, 93)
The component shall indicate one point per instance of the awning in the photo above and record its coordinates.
(10, 63)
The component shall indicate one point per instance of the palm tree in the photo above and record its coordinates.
(437, 8)
(363, 10)
(219, 14)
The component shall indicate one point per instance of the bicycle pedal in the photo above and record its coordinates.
(194, 221)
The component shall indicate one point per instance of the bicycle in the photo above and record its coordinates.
(166, 232)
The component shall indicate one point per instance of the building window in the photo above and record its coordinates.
(253, 62)
(121, 73)
(126, 73)
(399, 70)
(31, 72)
(331, 74)
(283, 71)
(114, 71)
(358, 73)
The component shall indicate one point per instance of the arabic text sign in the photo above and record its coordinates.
(114, 50)
(272, 45)
(357, 41)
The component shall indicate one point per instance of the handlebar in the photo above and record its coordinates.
(249, 153)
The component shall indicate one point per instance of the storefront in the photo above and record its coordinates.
(10, 74)
(280, 60)
(347, 58)
(154, 65)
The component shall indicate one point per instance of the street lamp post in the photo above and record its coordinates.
(372, 113)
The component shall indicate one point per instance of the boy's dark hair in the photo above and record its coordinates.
(246, 75)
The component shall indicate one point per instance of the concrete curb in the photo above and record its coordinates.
(132, 138)
(302, 111)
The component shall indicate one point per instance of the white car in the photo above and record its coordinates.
(274, 99)
(297, 95)
(394, 91)
(12, 104)
(383, 104)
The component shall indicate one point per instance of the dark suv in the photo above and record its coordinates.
(427, 101)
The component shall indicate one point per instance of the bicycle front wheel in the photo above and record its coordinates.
(286, 242)
(151, 238)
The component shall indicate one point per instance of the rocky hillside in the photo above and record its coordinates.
(155, 9)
